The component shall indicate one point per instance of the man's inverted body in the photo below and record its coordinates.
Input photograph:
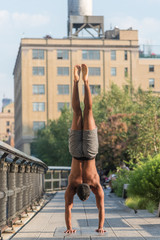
(83, 146)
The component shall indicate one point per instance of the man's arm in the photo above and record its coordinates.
(69, 195)
(99, 194)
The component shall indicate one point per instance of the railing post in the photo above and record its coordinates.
(12, 191)
(26, 190)
(20, 183)
(3, 190)
(34, 182)
(41, 187)
(20, 186)
(30, 184)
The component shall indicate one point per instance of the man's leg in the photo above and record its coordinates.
(77, 123)
(89, 123)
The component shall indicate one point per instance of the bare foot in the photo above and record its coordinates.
(77, 71)
(84, 72)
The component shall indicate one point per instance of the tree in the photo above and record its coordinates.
(147, 126)
(129, 127)
(51, 144)
(113, 140)
(112, 112)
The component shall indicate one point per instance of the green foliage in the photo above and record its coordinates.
(114, 101)
(122, 177)
(129, 130)
(51, 144)
(146, 127)
(151, 206)
(129, 126)
(136, 203)
(145, 180)
(141, 203)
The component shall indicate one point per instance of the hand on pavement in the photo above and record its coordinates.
(70, 231)
(100, 230)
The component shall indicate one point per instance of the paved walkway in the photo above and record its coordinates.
(121, 222)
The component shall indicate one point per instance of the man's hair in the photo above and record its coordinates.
(83, 191)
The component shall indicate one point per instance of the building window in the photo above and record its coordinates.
(113, 71)
(60, 105)
(126, 71)
(151, 83)
(38, 89)
(90, 55)
(63, 89)
(151, 68)
(7, 123)
(94, 71)
(37, 54)
(38, 71)
(38, 125)
(95, 89)
(125, 55)
(63, 71)
(113, 54)
(38, 107)
(62, 54)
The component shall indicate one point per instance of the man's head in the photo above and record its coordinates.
(83, 191)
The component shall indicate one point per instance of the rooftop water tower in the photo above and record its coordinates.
(79, 7)
(80, 17)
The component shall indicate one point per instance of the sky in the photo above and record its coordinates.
(38, 18)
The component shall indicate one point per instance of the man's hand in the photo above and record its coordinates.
(70, 231)
(100, 230)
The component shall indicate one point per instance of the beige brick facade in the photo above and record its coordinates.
(43, 75)
(7, 124)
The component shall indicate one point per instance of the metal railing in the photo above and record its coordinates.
(21, 183)
(145, 55)
(149, 51)
(56, 178)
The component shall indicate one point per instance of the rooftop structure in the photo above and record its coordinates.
(80, 18)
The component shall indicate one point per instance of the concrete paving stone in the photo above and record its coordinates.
(153, 230)
(152, 238)
(120, 222)
(131, 238)
(46, 234)
(82, 232)
(102, 238)
(77, 238)
(49, 238)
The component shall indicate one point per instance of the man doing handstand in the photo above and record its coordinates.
(83, 146)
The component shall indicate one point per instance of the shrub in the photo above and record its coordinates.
(140, 203)
(145, 180)
(136, 203)
(121, 179)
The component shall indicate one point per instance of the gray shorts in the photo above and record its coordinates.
(83, 144)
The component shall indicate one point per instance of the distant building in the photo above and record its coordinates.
(7, 124)
(6, 101)
(43, 73)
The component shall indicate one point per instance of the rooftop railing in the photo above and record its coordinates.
(145, 55)
(149, 51)
(21, 183)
